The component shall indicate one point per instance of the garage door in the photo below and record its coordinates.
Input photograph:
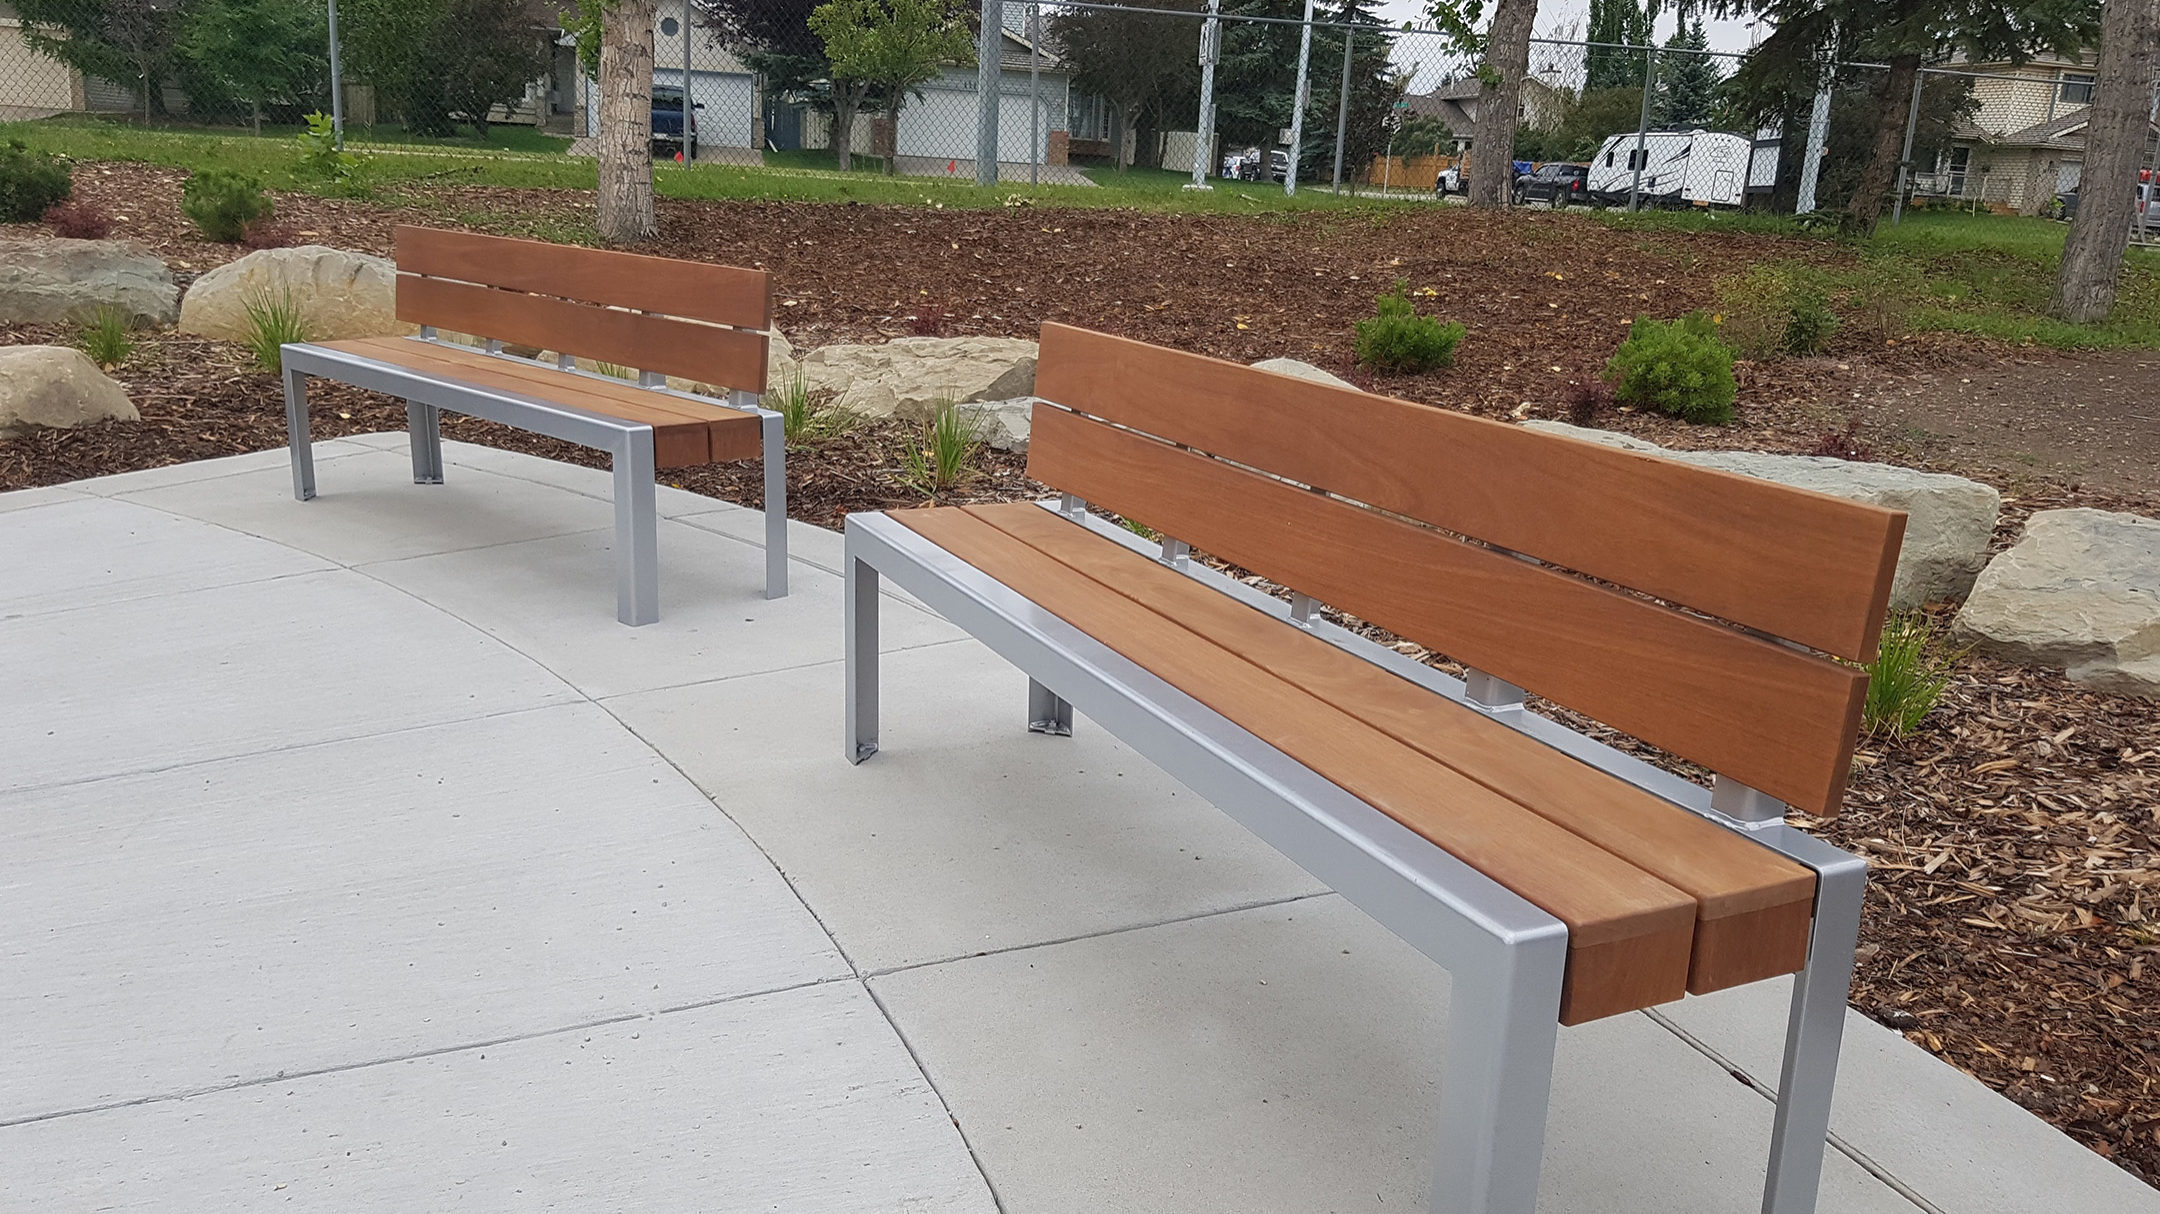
(942, 125)
(729, 99)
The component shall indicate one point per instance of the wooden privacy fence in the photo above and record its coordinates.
(1407, 172)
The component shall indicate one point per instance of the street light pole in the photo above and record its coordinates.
(1297, 103)
(1204, 136)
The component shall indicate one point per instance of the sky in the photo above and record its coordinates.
(1430, 63)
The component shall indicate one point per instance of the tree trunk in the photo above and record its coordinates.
(1892, 108)
(1117, 136)
(1507, 60)
(845, 103)
(2114, 144)
(625, 137)
(892, 115)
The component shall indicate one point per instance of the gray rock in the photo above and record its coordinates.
(57, 387)
(2080, 591)
(1949, 519)
(1302, 370)
(340, 294)
(911, 376)
(1005, 423)
(57, 281)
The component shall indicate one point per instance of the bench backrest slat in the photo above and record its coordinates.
(699, 321)
(1804, 566)
(1766, 714)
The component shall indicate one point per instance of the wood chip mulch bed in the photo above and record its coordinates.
(2013, 920)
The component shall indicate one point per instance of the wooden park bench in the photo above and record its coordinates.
(1558, 880)
(662, 317)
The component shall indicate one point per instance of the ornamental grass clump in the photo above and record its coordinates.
(105, 337)
(1399, 340)
(273, 322)
(810, 419)
(1907, 677)
(943, 457)
(1678, 367)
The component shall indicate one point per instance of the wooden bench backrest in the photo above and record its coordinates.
(1502, 548)
(700, 321)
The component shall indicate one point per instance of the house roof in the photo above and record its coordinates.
(1014, 56)
(1447, 109)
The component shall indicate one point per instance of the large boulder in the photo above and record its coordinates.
(1949, 519)
(1302, 370)
(57, 281)
(911, 376)
(340, 294)
(2080, 591)
(57, 387)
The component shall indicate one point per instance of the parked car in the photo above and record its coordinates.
(1278, 164)
(1450, 181)
(667, 122)
(1555, 183)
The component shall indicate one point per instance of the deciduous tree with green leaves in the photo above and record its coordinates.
(1136, 61)
(129, 42)
(1903, 34)
(887, 49)
(438, 62)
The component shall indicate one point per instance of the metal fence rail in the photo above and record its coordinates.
(1073, 92)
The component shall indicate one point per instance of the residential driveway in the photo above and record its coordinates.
(353, 857)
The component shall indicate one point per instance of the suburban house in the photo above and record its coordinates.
(1455, 104)
(2025, 141)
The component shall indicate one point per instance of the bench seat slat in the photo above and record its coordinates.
(1772, 717)
(1753, 905)
(685, 433)
(1629, 934)
(727, 295)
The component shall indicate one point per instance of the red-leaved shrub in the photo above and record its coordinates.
(78, 220)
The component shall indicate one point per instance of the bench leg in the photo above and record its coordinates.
(1813, 1036)
(861, 627)
(1503, 1025)
(296, 435)
(424, 423)
(1047, 713)
(637, 530)
(775, 455)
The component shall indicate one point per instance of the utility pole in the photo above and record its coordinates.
(1641, 154)
(1904, 164)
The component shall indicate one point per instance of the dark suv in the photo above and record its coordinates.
(1556, 183)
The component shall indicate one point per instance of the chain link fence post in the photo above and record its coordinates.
(1641, 155)
(1818, 132)
(1204, 131)
(1342, 106)
(337, 85)
(988, 63)
(1904, 164)
(1297, 102)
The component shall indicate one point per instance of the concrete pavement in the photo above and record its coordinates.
(352, 857)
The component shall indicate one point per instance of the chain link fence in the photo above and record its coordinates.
(1078, 93)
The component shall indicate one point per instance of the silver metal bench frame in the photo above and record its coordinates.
(1506, 958)
(637, 552)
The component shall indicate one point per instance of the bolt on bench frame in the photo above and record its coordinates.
(1507, 958)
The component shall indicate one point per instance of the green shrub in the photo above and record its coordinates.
(1678, 367)
(223, 203)
(31, 183)
(104, 336)
(319, 153)
(1907, 676)
(944, 456)
(1776, 309)
(274, 321)
(1398, 339)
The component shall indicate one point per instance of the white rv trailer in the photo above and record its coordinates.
(1680, 168)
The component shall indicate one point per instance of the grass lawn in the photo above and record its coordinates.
(522, 158)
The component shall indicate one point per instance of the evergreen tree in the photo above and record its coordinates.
(238, 56)
(1687, 83)
(1374, 89)
(1616, 21)
(1144, 64)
